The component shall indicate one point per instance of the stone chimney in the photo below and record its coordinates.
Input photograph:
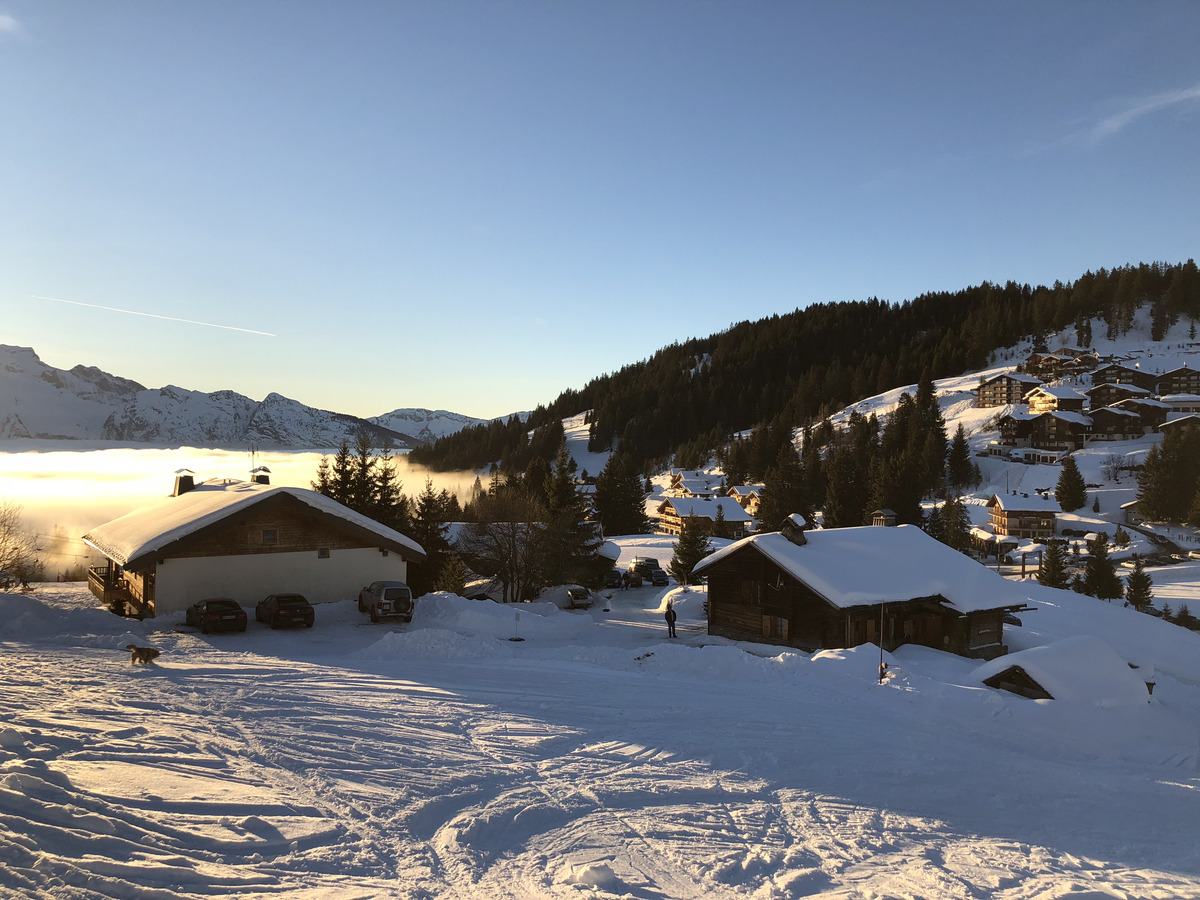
(793, 529)
(184, 481)
(260, 475)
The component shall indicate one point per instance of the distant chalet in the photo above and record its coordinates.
(242, 540)
(1005, 389)
(1022, 516)
(842, 587)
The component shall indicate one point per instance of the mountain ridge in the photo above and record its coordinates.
(41, 402)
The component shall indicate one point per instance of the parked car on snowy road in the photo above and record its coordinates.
(387, 600)
(217, 614)
(278, 610)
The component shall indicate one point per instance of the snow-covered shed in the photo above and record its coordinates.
(841, 587)
(227, 538)
(1081, 669)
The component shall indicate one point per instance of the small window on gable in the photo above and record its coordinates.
(322, 553)
(270, 536)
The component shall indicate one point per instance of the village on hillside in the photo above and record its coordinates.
(273, 746)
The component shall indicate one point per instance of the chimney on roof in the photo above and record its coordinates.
(793, 529)
(260, 475)
(184, 481)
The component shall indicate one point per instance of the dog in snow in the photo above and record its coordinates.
(141, 655)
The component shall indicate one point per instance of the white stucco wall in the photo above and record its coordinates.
(247, 579)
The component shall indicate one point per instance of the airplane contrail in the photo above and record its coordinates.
(133, 312)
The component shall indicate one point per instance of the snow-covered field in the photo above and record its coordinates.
(593, 758)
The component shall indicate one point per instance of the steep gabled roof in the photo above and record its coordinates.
(1019, 377)
(706, 508)
(1118, 386)
(865, 566)
(154, 529)
(1020, 503)
(1058, 391)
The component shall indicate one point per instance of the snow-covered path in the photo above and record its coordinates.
(353, 761)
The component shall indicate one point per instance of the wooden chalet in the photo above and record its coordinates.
(1060, 431)
(1115, 373)
(1113, 423)
(1184, 380)
(1109, 394)
(242, 540)
(1181, 423)
(1016, 427)
(672, 511)
(1023, 516)
(1055, 399)
(1152, 412)
(1045, 365)
(749, 496)
(1005, 389)
(842, 587)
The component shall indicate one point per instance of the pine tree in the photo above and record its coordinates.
(429, 530)
(721, 527)
(1099, 578)
(691, 547)
(340, 475)
(571, 541)
(956, 525)
(933, 524)
(1071, 491)
(959, 468)
(1053, 571)
(1096, 504)
(385, 496)
(361, 490)
(784, 489)
(453, 576)
(1137, 586)
(620, 501)
(1121, 538)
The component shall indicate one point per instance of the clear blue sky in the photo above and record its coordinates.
(474, 206)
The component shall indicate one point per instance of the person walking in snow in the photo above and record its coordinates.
(670, 617)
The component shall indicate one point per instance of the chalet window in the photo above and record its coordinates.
(270, 536)
(322, 553)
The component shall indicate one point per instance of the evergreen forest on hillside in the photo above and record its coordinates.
(681, 406)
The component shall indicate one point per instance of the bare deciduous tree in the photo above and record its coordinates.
(1111, 467)
(18, 557)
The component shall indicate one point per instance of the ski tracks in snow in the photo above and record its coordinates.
(222, 774)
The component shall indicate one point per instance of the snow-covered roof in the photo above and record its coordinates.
(1058, 391)
(1024, 503)
(1067, 416)
(871, 564)
(1170, 399)
(1180, 420)
(1081, 669)
(1015, 376)
(706, 508)
(1114, 386)
(746, 490)
(149, 529)
(1116, 410)
(1143, 401)
(694, 485)
(1021, 414)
